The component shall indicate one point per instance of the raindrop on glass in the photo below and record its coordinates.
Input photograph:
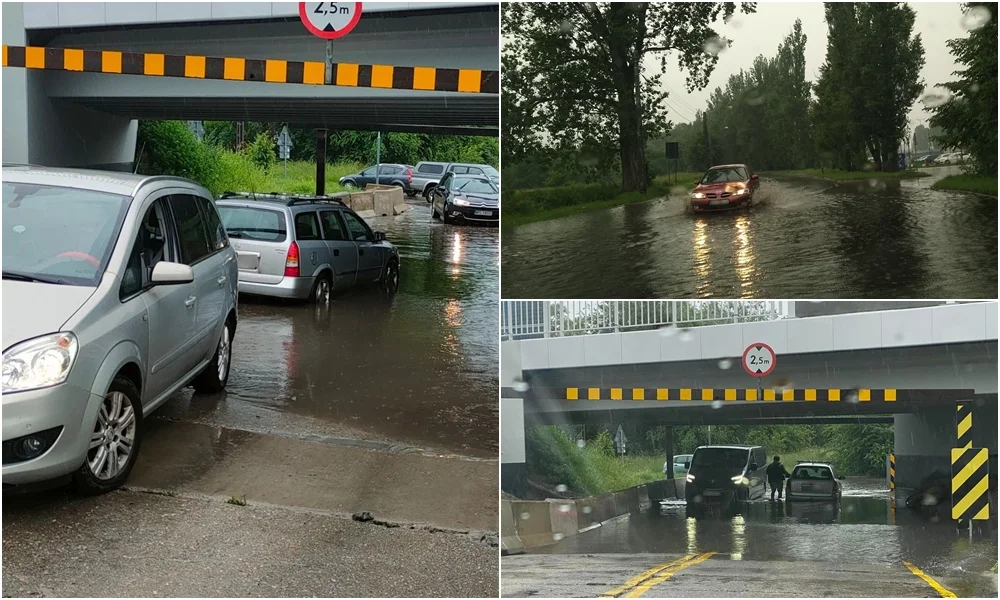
(562, 488)
(580, 443)
(717, 404)
(564, 508)
(714, 45)
(974, 88)
(525, 516)
(851, 396)
(668, 330)
(898, 337)
(565, 27)
(686, 335)
(557, 536)
(520, 385)
(935, 99)
(586, 510)
(725, 363)
(975, 17)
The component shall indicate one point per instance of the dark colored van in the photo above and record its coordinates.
(721, 474)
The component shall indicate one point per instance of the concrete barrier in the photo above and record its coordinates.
(510, 543)
(643, 493)
(564, 519)
(533, 521)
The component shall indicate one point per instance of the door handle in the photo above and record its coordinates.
(336, 252)
(221, 280)
(190, 301)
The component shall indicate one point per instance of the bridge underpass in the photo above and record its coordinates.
(80, 117)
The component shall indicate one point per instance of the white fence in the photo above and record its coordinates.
(528, 319)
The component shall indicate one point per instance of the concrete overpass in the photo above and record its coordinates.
(912, 364)
(64, 118)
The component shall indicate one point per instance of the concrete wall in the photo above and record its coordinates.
(15, 107)
(843, 307)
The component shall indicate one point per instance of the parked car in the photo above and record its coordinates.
(813, 481)
(465, 198)
(118, 290)
(428, 174)
(303, 247)
(682, 462)
(388, 174)
(725, 187)
(725, 473)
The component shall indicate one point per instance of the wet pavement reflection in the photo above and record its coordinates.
(863, 528)
(418, 368)
(805, 238)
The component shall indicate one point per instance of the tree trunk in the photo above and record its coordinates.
(876, 152)
(633, 150)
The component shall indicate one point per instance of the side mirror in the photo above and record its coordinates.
(379, 236)
(697, 181)
(753, 466)
(755, 176)
(171, 273)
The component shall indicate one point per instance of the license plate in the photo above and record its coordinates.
(718, 202)
(713, 493)
(483, 213)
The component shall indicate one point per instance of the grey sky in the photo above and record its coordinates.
(763, 31)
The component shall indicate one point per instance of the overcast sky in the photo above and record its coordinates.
(763, 31)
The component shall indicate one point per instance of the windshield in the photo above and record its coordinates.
(729, 459)
(59, 234)
(474, 186)
(727, 175)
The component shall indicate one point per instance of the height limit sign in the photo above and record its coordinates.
(759, 359)
(330, 20)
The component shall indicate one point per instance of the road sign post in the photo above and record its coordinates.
(284, 147)
(620, 441)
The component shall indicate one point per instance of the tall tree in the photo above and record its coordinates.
(870, 80)
(969, 120)
(583, 73)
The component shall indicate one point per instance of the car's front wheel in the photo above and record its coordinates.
(114, 440)
(390, 278)
(213, 379)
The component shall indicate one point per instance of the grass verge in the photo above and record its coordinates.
(834, 175)
(301, 177)
(980, 184)
(661, 187)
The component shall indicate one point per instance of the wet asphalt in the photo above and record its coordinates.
(384, 405)
(858, 548)
(805, 238)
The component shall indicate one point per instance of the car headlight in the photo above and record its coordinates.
(740, 480)
(461, 202)
(697, 195)
(40, 362)
(741, 191)
(689, 477)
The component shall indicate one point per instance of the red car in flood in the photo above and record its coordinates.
(725, 187)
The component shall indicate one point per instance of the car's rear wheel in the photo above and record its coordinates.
(321, 290)
(213, 379)
(114, 441)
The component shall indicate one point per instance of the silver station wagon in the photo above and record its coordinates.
(118, 290)
(302, 247)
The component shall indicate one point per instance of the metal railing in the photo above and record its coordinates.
(531, 319)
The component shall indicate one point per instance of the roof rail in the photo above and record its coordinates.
(316, 200)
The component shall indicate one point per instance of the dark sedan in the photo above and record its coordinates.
(725, 187)
(387, 174)
(465, 198)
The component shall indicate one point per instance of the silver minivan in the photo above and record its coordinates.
(302, 247)
(118, 290)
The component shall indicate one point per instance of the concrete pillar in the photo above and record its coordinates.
(923, 443)
(513, 465)
(15, 92)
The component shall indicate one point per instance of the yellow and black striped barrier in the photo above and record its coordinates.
(892, 475)
(970, 474)
(473, 81)
(732, 394)
(963, 425)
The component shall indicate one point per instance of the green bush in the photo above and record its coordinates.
(261, 151)
(170, 148)
(528, 201)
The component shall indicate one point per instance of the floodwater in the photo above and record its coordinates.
(804, 239)
(417, 370)
(863, 528)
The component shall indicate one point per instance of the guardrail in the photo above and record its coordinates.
(532, 319)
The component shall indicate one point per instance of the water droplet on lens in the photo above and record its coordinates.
(976, 17)
(557, 536)
(725, 363)
(898, 337)
(714, 45)
(974, 88)
(566, 26)
(852, 396)
(935, 99)
(561, 488)
(520, 385)
(525, 516)
(686, 335)
(586, 510)
(668, 330)
(565, 508)
(580, 443)
(717, 404)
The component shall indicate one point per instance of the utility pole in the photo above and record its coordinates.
(321, 162)
(378, 157)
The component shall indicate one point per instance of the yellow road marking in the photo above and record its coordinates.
(930, 581)
(665, 575)
(631, 583)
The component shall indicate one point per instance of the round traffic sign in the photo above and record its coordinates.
(330, 20)
(759, 359)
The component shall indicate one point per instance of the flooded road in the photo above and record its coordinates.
(805, 239)
(820, 537)
(419, 369)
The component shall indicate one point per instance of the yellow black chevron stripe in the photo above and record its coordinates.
(732, 394)
(970, 473)
(963, 425)
(473, 81)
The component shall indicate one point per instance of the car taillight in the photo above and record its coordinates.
(409, 175)
(292, 261)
